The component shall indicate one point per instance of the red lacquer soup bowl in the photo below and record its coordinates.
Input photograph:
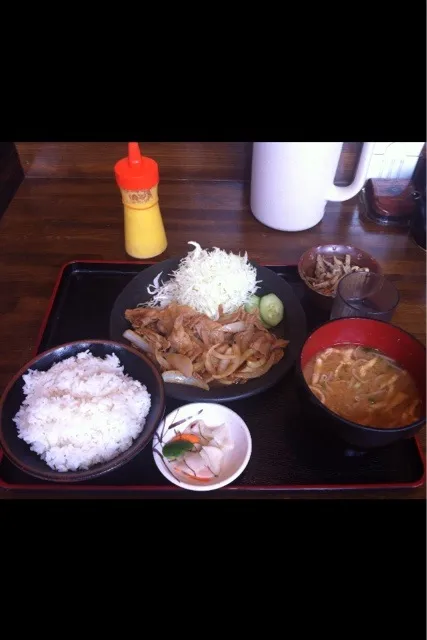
(394, 343)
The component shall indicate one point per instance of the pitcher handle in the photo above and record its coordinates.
(339, 194)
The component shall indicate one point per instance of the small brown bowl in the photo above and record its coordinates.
(307, 264)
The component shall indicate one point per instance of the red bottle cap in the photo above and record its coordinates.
(136, 171)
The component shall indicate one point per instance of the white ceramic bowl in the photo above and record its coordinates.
(212, 414)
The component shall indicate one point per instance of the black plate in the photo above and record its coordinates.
(292, 328)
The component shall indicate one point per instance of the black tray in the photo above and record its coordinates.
(288, 454)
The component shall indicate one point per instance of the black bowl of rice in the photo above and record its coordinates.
(80, 410)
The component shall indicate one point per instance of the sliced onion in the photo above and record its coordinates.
(223, 365)
(257, 373)
(234, 327)
(208, 362)
(162, 361)
(137, 341)
(235, 363)
(222, 356)
(255, 365)
(176, 377)
(180, 363)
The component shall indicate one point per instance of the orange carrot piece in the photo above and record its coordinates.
(189, 475)
(189, 437)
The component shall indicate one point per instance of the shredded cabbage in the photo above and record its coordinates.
(204, 280)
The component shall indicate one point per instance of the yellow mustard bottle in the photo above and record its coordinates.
(138, 179)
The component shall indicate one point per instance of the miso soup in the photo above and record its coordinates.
(364, 386)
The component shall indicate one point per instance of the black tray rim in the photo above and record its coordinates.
(172, 489)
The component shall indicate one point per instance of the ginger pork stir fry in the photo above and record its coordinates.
(191, 348)
(364, 386)
(327, 274)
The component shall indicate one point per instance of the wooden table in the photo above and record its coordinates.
(50, 222)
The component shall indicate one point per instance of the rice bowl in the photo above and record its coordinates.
(82, 411)
(93, 424)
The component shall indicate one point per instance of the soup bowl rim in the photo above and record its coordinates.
(418, 423)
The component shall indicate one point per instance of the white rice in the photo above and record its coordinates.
(82, 411)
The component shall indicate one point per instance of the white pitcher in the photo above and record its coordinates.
(292, 181)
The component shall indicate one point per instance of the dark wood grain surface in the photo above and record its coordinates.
(11, 174)
(177, 160)
(53, 221)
